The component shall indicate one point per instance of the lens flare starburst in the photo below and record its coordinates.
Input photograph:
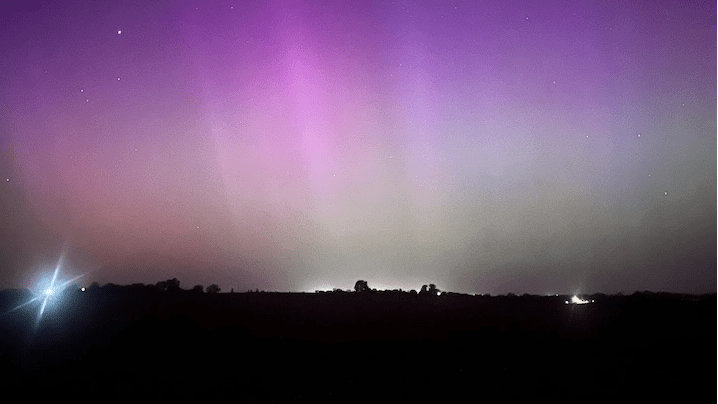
(48, 292)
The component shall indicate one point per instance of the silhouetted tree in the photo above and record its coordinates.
(170, 285)
(198, 289)
(361, 286)
(213, 288)
(430, 290)
(173, 285)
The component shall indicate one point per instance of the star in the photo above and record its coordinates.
(119, 32)
(82, 90)
(7, 179)
(118, 79)
(665, 193)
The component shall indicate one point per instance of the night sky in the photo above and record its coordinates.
(486, 147)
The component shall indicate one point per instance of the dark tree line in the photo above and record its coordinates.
(166, 286)
(362, 286)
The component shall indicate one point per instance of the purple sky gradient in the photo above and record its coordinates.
(487, 147)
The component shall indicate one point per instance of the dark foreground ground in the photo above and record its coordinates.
(123, 346)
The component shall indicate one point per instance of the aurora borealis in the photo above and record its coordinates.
(487, 147)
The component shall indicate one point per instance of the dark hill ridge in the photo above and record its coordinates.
(361, 346)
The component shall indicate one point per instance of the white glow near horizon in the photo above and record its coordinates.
(577, 300)
(325, 287)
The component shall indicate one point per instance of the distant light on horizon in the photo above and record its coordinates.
(577, 300)
(49, 290)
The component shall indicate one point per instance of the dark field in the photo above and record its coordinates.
(124, 344)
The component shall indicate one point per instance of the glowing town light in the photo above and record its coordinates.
(578, 300)
(83, 289)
